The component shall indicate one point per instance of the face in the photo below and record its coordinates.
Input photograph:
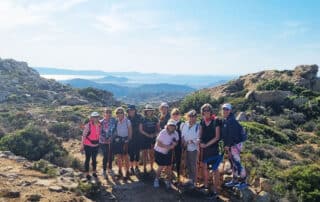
(164, 110)
(206, 112)
(120, 114)
(192, 119)
(149, 113)
(95, 119)
(176, 116)
(107, 114)
(131, 112)
(171, 128)
(226, 112)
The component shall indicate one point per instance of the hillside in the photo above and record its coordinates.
(22, 84)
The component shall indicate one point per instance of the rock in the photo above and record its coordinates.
(276, 96)
(9, 194)
(67, 183)
(45, 183)
(242, 117)
(18, 159)
(263, 197)
(24, 184)
(265, 185)
(34, 197)
(250, 95)
(247, 195)
(68, 172)
(55, 189)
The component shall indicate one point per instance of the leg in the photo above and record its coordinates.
(105, 153)
(110, 157)
(88, 154)
(205, 174)
(94, 159)
(151, 155)
(216, 184)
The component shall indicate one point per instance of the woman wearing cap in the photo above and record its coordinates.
(175, 115)
(190, 133)
(209, 138)
(90, 143)
(108, 124)
(134, 143)
(165, 143)
(164, 114)
(149, 129)
(233, 145)
(121, 139)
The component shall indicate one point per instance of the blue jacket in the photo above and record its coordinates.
(230, 131)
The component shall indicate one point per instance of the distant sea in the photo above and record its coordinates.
(60, 77)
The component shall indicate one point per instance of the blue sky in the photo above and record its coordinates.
(165, 36)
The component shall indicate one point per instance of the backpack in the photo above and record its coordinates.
(242, 133)
(88, 134)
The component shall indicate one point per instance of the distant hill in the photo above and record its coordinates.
(21, 84)
(140, 94)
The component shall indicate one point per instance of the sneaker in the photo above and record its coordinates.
(168, 184)
(136, 170)
(232, 183)
(110, 172)
(88, 177)
(95, 175)
(156, 183)
(241, 185)
(212, 195)
(104, 174)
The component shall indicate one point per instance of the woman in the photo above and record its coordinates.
(175, 115)
(164, 114)
(108, 124)
(149, 129)
(165, 143)
(190, 133)
(209, 138)
(121, 139)
(90, 143)
(135, 142)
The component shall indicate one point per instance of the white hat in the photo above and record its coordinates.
(227, 106)
(94, 114)
(172, 122)
(148, 108)
(164, 104)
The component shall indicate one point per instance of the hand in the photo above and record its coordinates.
(81, 148)
(226, 149)
(203, 145)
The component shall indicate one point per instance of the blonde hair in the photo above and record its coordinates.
(119, 109)
(175, 111)
(207, 105)
(187, 115)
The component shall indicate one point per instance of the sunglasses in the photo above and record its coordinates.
(207, 110)
(226, 109)
(108, 112)
(119, 113)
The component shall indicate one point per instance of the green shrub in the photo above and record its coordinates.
(305, 181)
(309, 126)
(34, 145)
(285, 124)
(44, 167)
(276, 85)
(60, 129)
(196, 100)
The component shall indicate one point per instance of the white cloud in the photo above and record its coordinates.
(293, 28)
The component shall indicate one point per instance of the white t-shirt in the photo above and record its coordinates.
(190, 135)
(165, 139)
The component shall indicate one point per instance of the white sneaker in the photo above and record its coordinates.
(156, 183)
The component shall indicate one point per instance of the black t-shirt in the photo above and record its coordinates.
(149, 124)
(209, 131)
(164, 121)
(135, 122)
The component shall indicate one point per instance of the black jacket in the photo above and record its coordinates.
(230, 131)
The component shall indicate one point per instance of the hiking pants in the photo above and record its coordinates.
(91, 153)
(107, 156)
(234, 157)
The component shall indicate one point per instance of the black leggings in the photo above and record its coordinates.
(91, 152)
(134, 151)
(107, 156)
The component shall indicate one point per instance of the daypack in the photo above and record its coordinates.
(242, 133)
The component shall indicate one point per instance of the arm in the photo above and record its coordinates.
(213, 140)
(84, 136)
(142, 131)
(160, 144)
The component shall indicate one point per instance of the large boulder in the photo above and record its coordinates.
(276, 96)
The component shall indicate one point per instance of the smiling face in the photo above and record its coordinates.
(192, 119)
(164, 110)
(131, 112)
(120, 114)
(171, 128)
(107, 114)
(175, 116)
(225, 112)
(149, 113)
(206, 112)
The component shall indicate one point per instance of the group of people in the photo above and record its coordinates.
(165, 140)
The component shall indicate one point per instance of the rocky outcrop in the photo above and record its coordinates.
(274, 96)
(21, 84)
(303, 75)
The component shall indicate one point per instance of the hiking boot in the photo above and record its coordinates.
(232, 183)
(88, 177)
(95, 175)
(241, 185)
(168, 184)
(212, 196)
(156, 183)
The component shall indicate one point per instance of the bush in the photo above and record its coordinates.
(196, 100)
(45, 167)
(306, 151)
(34, 145)
(285, 124)
(276, 85)
(309, 126)
(60, 129)
(305, 181)
(292, 136)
